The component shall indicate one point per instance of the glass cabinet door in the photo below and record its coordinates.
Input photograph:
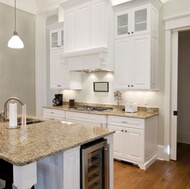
(122, 24)
(54, 39)
(140, 20)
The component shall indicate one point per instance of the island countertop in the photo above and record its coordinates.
(30, 143)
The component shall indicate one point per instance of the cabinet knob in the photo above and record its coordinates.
(131, 85)
(128, 32)
(125, 131)
(132, 32)
(128, 85)
(122, 130)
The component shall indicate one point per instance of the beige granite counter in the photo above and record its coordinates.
(142, 112)
(30, 143)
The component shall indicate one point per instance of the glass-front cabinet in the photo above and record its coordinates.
(132, 22)
(56, 39)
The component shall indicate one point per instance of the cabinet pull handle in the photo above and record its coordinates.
(52, 112)
(124, 122)
(58, 85)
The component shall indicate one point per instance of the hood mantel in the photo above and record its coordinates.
(87, 59)
(98, 50)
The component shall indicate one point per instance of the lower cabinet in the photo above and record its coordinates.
(135, 140)
(54, 114)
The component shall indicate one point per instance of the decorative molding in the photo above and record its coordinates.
(161, 153)
(85, 52)
(178, 21)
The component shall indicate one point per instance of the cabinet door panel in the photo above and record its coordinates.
(135, 145)
(70, 31)
(123, 63)
(99, 26)
(119, 142)
(141, 62)
(83, 26)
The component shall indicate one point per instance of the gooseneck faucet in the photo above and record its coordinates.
(4, 112)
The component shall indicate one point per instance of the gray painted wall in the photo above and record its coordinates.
(17, 75)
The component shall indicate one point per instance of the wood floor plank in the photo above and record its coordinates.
(161, 175)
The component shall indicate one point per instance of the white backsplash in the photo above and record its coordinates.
(150, 98)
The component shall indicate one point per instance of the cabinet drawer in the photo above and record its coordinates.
(53, 112)
(80, 117)
(126, 122)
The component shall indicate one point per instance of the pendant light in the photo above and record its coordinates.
(15, 42)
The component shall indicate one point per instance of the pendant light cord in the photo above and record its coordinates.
(15, 15)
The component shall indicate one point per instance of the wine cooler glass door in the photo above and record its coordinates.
(95, 166)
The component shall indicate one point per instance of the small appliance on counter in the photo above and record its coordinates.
(58, 100)
(131, 107)
(71, 103)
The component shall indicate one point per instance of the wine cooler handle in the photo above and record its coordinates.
(107, 165)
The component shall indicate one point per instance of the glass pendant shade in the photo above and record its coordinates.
(15, 42)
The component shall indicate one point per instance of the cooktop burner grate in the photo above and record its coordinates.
(91, 108)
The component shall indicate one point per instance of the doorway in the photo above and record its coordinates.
(183, 99)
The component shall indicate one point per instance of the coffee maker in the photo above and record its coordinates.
(58, 100)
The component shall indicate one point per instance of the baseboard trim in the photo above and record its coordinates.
(161, 153)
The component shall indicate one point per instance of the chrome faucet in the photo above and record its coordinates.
(3, 114)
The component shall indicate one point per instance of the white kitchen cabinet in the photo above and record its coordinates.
(59, 74)
(135, 63)
(135, 139)
(54, 114)
(56, 36)
(86, 24)
(135, 55)
(136, 21)
(88, 32)
(87, 119)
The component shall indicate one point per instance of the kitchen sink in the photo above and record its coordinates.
(29, 121)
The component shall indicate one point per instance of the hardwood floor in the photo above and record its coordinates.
(161, 175)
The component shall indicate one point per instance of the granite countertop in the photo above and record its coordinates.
(30, 143)
(142, 113)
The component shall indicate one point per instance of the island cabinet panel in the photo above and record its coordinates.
(135, 139)
(59, 171)
(87, 119)
(54, 114)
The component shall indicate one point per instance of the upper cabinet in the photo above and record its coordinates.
(88, 32)
(135, 50)
(60, 76)
(56, 36)
(136, 21)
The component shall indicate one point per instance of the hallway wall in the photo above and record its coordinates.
(183, 123)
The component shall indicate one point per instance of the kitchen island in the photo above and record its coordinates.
(25, 146)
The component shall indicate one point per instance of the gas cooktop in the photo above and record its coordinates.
(91, 108)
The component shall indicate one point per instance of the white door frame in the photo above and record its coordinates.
(172, 26)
